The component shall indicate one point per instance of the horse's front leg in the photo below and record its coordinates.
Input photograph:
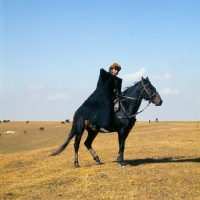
(121, 140)
(88, 143)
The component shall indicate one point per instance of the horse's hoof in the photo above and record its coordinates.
(122, 164)
(97, 160)
(76, 165)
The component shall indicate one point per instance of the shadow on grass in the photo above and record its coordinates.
(162, 160)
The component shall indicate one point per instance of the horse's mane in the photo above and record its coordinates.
(129, 89)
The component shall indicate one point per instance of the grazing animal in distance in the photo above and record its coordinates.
(67, 121)
(129, 101)
(62, 122)
(41, 128)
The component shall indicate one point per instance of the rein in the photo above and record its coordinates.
(129, 117)
(127, 97)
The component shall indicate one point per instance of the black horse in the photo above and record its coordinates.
(129, 103)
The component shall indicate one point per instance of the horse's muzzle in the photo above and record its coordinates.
(157, 100)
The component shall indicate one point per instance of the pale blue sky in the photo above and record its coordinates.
(51, 53)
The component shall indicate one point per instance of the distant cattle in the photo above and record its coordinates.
(67, 121)
(27, 122)
(62, 122)
(41, 128)
(5, 121)
(156, 119)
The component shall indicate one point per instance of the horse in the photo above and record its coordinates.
(129, 102)
(41, 128)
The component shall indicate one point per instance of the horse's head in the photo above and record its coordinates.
(149, 92)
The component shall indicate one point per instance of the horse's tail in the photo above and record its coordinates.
(62, 147)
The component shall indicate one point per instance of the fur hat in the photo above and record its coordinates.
(115, 66)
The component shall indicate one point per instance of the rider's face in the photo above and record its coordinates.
(114, 72)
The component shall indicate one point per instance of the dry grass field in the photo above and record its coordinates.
(163, 162)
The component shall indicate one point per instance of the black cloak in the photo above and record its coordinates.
(99, 107)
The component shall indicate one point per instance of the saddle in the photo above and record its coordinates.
(116, 104)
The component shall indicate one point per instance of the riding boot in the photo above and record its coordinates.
(104, 130)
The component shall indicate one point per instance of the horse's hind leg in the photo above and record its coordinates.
(79, 129)
(76, 148)
(88, 143)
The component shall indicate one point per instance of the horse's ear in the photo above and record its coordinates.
(147, 78)
(142, 80)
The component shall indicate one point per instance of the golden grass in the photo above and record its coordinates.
(163, 162)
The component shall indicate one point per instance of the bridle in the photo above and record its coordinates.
(150, 96)
(127, 97)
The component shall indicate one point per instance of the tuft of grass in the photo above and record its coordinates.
(163, 162)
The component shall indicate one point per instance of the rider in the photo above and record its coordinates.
(99, 107)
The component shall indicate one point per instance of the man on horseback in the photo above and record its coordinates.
(98, 109)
